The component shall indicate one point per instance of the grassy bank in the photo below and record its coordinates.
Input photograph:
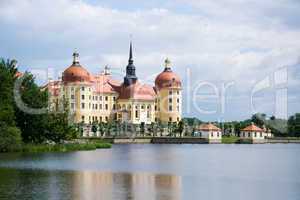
(34, 148)
(230, 139)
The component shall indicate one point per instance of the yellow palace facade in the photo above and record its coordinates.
(99, 98)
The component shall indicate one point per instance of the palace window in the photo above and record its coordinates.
(114, 106)
(249, 134)
(82, 88)
(136, 114)
(96, 106)
(178, 92)
(100, 106)
(170, 100)
(155, 107)
(72, 96)
(96, 98)
(212, 134)
(170, 92)
(260, 134)
(106, 119)
(100, 98)
(82, 97)
(255, 134)
(82, 105)
(170, 108)
(178, 119)
(82, 118)
(106, 106)
(170, 119)
(106, 98)
(100, 118)
(148, 114)
(114, 98)
(72, 105)
(177, 100)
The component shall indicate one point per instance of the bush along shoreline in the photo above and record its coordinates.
(39, 148)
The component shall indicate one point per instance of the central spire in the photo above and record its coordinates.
(130, 61)
(130, 77)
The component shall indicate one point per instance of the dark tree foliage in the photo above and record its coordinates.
(10, 137)
(94, 128)
(259, 119)
(180, 127)
(34, 128)
(7, 77)
(294, 125)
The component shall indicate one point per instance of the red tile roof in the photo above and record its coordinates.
(252, 128)
(208, 127)
(136, 91)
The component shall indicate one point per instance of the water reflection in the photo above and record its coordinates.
(39, 184)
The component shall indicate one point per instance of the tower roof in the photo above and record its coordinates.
(167, 78)
(130, 77)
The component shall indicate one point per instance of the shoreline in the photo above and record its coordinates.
(190, 140)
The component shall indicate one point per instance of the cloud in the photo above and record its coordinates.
(218, 41)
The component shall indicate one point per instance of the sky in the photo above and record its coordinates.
(235, 57)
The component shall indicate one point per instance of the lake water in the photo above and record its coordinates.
(149, 171)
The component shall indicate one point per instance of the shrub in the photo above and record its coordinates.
(103, 145)
(10, 138)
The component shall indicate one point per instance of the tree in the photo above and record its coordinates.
(294, 125)
(33, 126)
(259, 119)
(142, 128)
(10, 136)
(7, 77)
(108, 127)
(59, 127)
(101, 128)
(272, 118)
(94, 128)
(181, 127)
(152, 128)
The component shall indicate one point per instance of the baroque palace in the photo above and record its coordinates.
(99, 98)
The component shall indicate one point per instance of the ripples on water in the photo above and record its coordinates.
(163, 172)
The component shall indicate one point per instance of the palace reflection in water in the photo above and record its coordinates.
(87, 185)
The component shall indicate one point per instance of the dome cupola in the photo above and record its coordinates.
(167, 78)
(76, 73)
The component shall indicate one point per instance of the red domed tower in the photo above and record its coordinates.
(76, 73)
(168, 87)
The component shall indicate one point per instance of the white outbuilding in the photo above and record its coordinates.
(255, 134)
(210, 132)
